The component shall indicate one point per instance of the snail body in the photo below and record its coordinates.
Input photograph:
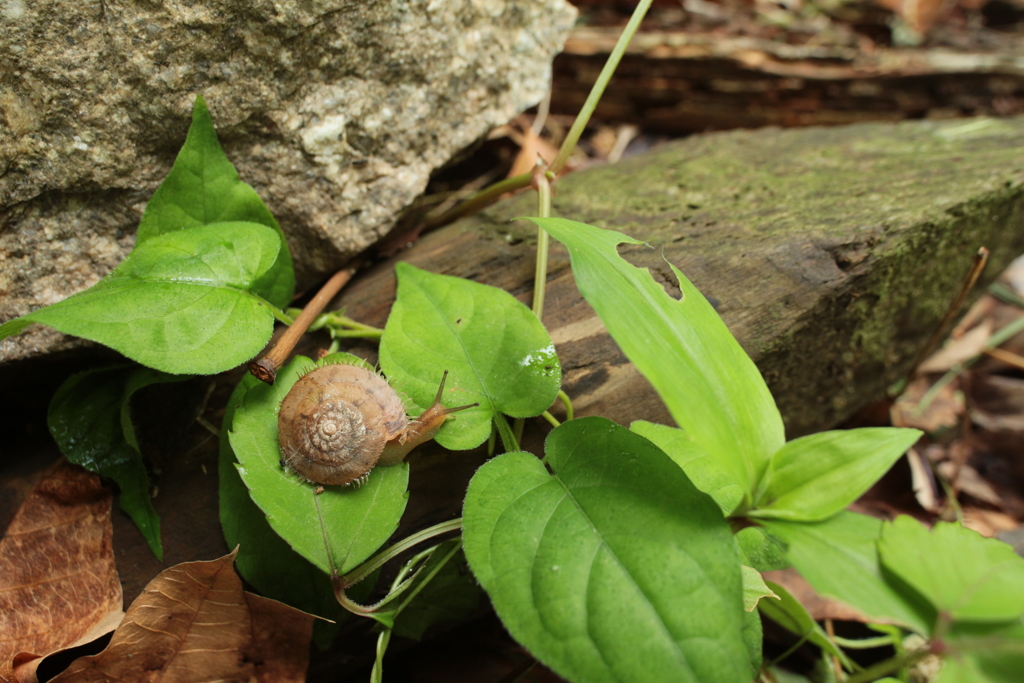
(338, 421)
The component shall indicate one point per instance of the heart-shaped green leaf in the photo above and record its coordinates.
(816, 476)
(613, 567)
(90, 419)
(496, 350)
(336, 529)
(983, 653)
(711, 387)
(264, 559)
(839, 558)
(961, 573)
(203, 188)
(180, 303)
(706, 473)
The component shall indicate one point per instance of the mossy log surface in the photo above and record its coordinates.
(831, 253)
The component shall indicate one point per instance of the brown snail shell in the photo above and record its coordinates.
(338, 420)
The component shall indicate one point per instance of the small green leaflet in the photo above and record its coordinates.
(336, 529)
(497, 352)
(711, 387)
(961, 573)
(180, 302)
(754, 588)
(613, 567)
(203, 188)
(90, 419)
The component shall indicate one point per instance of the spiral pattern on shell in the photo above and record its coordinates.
(334, 422)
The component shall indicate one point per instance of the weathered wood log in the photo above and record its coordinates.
(831, 253)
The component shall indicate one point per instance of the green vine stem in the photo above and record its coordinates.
(583, 118)
(540, 274)
(508, 437)
(371, 565)
(873, 673)
(567, 402)
(480, 200)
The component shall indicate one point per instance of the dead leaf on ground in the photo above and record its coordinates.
(989, 523)
(941, 414)
(195, 622)
(58, 585)
(958, 350)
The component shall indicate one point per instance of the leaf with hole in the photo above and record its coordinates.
(711, 387)
(203, 188)
(611, 567)
(181, 302)
(336, 529)
(496, 350)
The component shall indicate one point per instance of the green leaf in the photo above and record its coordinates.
(203, 188)
(760, 550)
(612, 568)
(706, 473)
(336, 529)
(496, 350)
(711, 387)
(961, 573)
(753, 638)
(983, 653)
(754, 588)
(839, 558)
(816, 476)
(264, 559)
(788, 613)
(179, 303)
(90, 419)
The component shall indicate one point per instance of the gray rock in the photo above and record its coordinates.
(335, 111)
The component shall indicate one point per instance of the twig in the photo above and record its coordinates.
(266, 368)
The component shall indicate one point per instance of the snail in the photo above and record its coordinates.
(340, 420)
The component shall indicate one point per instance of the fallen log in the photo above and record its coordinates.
(832, 254)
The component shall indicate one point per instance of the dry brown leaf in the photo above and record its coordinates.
(943, 413)
(958, 350)
(195, 622)
(989, 522)
(531, 148)
(59, 586)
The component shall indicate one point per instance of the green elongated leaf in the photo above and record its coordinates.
(203, 188)
(839, 558)
(264, 559)
(706, 473)
(336, 529)
(754, 588)
(753, 638)
(788, 613)
(496, 350)
(961, 573)
(710, 385)
(179, 303)
(816, 476)
(90, 419)
(612, 568)
(983, 653)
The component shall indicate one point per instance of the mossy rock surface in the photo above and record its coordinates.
(831, 253)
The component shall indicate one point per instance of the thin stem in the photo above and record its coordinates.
(266, 368)
(480, 200)
(567, 402)
(431, 574)
(508, 439)
(569, 144)
(279, 315)
(552, 420)
(873, 673)
(370, 566)
(966, 285)
(540, 275)
(377, 674)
